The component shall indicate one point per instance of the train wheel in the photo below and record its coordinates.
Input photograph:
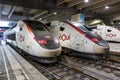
(64, 50)
(19, 50)
(62, 58)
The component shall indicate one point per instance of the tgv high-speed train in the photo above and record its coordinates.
(34, 38)
(108, 33)
(75, 38)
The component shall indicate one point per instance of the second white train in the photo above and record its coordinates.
(78, 40)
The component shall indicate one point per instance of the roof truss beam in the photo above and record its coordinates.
(11, 11)
(1, 9)
(101, 4)
(37, 15)
(74, 2)
(103, 10)
(35, 4)
(59, 2)
(93, 2)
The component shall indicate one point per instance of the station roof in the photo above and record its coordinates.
(58, 9)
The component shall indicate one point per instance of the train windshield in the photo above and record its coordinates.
(86, 30)
(80, 26)
(36, 26)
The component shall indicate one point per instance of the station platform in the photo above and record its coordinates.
(115, 51)
(15, 67)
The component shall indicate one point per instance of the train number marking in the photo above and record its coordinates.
(21, 38)
(64, 37)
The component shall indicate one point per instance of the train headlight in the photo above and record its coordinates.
(43, 42)
(56, 41)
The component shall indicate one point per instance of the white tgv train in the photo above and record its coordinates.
(108, 33)
(34, 38)
(78, 40)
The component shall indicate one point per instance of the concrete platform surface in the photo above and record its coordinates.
(6, 72)
(15, 67)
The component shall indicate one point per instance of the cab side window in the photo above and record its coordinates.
(108, 30)
(21, 28)
(62, 28)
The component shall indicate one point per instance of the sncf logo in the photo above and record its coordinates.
(21, 38)
(64, 37)
(111, 35)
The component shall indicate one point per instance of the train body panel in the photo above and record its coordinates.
(69, 38)
(36, 42)
(89, 49)
(75, 36)
(13, 37)
(108, 33)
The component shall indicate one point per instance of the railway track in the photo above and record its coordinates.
(59, 71)
(66, 71)
(76, 69)
(110, 64)
(104, 68)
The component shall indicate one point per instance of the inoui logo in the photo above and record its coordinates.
(111, 35)
(21, 38)
(64, 37)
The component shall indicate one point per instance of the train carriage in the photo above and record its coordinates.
(34, 38)
(78, 40)
(108, 33)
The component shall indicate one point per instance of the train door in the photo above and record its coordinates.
(111, 34)
(101, 30)
(108, 33)
(21, 36)
(71, 38)
(79, 42)
(64, 35)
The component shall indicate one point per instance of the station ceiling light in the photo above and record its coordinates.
(40, 19)
(86, 1)
(55, 13)
(107, 7)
